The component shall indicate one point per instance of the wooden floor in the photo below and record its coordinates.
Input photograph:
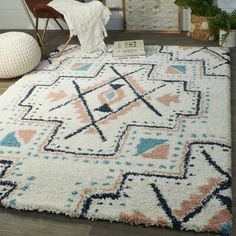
(14, 223)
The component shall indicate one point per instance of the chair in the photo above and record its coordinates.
(40, 9)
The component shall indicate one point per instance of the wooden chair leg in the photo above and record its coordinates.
(58, 23)
(66, 44)
(36, 29)
(45, 29)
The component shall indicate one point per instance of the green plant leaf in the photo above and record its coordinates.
(199, 7)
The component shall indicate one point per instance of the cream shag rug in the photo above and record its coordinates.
(136, 140)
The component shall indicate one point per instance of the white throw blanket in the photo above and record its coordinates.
(86, 20)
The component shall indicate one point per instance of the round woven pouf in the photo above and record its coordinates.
(19, 54)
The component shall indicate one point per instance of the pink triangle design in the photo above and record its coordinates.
(160, 152)
(77, 65)
(26, 135)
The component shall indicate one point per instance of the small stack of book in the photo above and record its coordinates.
(128, 48)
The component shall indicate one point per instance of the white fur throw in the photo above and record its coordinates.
(86, 20)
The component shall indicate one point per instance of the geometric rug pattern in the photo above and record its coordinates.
(139, 140)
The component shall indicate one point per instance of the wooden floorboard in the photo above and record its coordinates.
(14, 223)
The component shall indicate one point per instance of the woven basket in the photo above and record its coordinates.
(200, 28)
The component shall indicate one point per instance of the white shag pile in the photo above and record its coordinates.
(140, 140)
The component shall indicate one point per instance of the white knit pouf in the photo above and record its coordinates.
(19, 54)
